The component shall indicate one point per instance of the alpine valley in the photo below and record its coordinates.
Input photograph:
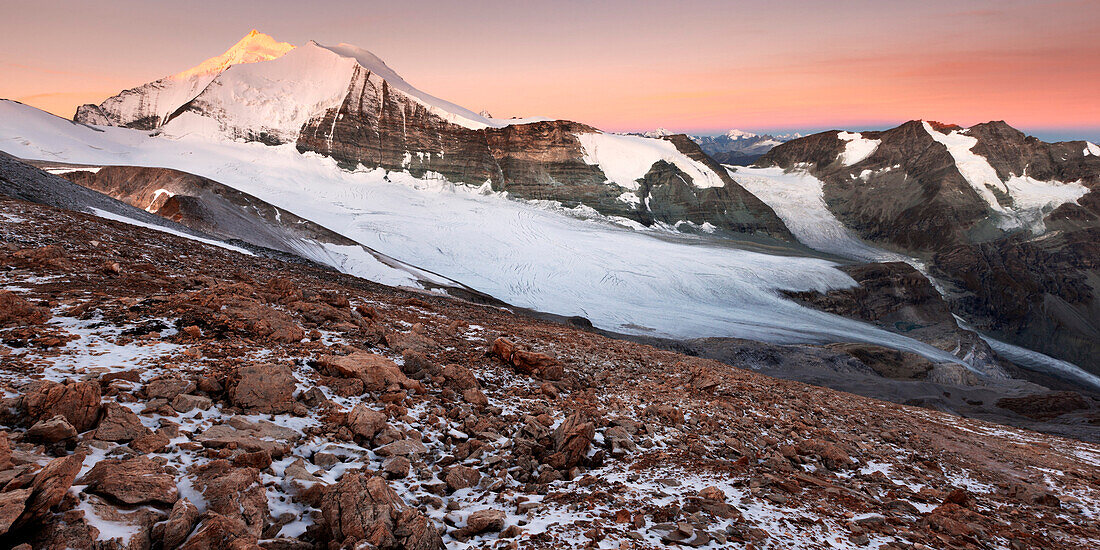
(285, 299)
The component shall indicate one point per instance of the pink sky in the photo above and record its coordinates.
(687, 66)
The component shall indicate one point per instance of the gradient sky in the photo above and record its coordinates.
(697, 66)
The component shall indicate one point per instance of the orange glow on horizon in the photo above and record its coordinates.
(704, 65)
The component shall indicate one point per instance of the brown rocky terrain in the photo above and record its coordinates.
(163, 393)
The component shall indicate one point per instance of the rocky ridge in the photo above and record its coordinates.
(1007, 223)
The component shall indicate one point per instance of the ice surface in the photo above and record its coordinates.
(626, 159)
(797, 198)
(530, 255)
(1031, 199)
(857, 148)
(112, 216)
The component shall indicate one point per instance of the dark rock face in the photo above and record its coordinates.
(916, 199)
(376, 126)
(898, 298)
(1040, 293)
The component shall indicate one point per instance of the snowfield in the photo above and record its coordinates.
(857, 148)
(530, 255)
(626, 159)
(1031, 199)
(251, 97)
(797, 197)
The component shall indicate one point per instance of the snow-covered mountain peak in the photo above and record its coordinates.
(254, 47)
(736, 134)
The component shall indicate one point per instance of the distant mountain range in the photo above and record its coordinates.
(735, 147)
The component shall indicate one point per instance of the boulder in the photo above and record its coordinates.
(49, 486)
(264, 388)
(365, 509)
(17, 312)
(461, 477)
(167, 388)
(459, 377)
(527, 362)
(119, 424)
(51, 431)
(365, 422)
(377, 372)
(396, 467)
(475, 397)
(483, 521)
(571, 441)
(12, 504)
(5, 451)
(233, 492)
(179, 524)
(220, 532)
(403, 447)
(186, 402)
(137, 480)
(78, 402)
(239, 432)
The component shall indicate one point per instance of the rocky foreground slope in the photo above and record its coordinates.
(162, 393)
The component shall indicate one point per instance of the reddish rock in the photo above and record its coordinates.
(475, 397)
(377, 372)
(365, 422)
(712, 493)
(17, 312)
(359, 509)
(186, 402)
(49, 486)
(959, 497)
(483, 521)
(503, 348)
(396, 467)
(137, 480)
(12, 504)
(413, 340)
(179, 524)
(221, 532)
(167, 388)
(461, 477)
(404, 447)
(264, 388)
(529, 362)
(255, 459)
(233, 492)
(51, 431)
(152, 442)
(571, 441)
(459, 378)
(5, 451)
(831, 455)
(526, 362)
(78, 402)
(119, 424)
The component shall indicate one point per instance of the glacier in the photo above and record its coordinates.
(531, 255)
